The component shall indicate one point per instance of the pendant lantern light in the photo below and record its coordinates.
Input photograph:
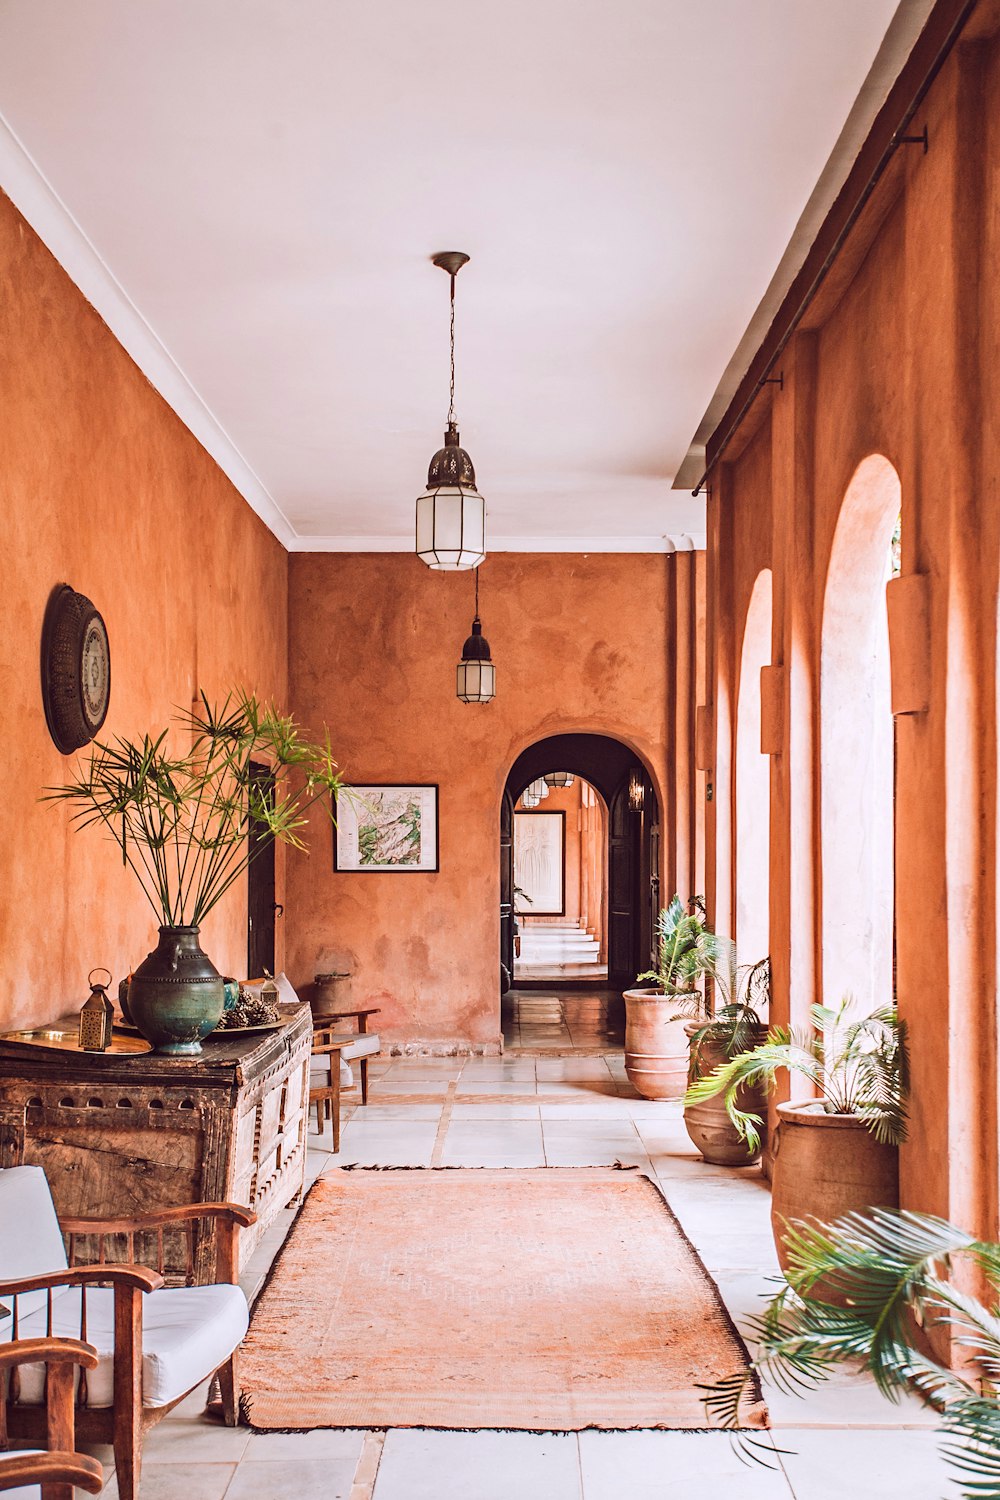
(476, 676)
(558, 778)
(528, 798)
(539, 789)
(451, 513)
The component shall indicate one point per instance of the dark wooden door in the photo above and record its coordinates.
(507, 885)
(633, 883)
(623, 877)
(261, 906)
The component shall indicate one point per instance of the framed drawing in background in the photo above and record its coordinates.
(386, 828)
(540, 862)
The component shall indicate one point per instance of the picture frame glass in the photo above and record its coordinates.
(386, 828)
(540, 863)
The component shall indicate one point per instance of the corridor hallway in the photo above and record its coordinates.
(587, 1019)
(558, 950)
(560, 1112)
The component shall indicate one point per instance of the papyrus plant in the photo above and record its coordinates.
(182, 819)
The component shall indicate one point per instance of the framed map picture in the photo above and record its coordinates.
(540, 862)
(386, 828)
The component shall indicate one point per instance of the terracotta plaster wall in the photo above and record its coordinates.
(105, 489)
(580, 646)
(900, 358)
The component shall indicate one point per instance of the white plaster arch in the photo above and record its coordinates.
(857, 818)
(753, 783)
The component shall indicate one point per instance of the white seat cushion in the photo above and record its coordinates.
(31, 1242)
(187, 1333)
(362, 1046)
(319, 1072)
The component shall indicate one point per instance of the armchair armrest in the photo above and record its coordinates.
(233, 1212)
(51, 1468)
(59, 1356)
(136, 1278)
(228, 1216)
(343, 1015)
(48, 1351)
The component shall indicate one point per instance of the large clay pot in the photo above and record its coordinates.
(825, 1166)
(177, 994)
(656, 1044)
(708, 1124)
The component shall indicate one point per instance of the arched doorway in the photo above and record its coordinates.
(857, 744)
(560, 881)
(753, 784)
(633, 843)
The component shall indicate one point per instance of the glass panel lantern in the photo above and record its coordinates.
(558, 778)
(476, 676)
(476, 681)
(451, 513)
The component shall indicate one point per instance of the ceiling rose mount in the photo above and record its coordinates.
(451, 261)
(451, 513)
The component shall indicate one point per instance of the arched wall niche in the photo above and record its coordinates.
(857, 820)
(753, 783)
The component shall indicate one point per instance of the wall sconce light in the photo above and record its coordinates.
(636, 791)
(475, 675)
(451, 513)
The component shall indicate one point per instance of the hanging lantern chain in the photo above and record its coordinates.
(451, 388)
(477, 595)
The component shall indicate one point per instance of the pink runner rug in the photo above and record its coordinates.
(544, 1300)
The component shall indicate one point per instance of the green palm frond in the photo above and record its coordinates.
(859, 1065)
(886, 1270)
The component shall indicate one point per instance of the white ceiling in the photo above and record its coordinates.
(250, 191)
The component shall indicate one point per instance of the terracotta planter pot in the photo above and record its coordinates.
(656, 1046)
(825, 1166)
(708, 1124)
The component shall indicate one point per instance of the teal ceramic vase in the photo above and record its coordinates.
(177, 994)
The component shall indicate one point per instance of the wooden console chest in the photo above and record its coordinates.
(120, 1135)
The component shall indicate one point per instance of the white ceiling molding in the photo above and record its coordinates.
(899, 41)
(687, 542)
(34, 197)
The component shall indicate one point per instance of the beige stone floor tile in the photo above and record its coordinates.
(188, 1481)
(873, 1465)
(479, 1466)
(497, 1086)
(494, 1109)
(327, 1478)
(672, 1465)
(342, 1444)
(200, 1440)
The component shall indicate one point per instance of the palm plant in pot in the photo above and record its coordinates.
(737, 1026)
(656, 1044)
(182, 820)
(891, 1273)
(838, 1152)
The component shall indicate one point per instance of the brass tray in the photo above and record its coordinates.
(66, 1039)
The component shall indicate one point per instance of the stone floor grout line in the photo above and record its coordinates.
(368, 1464)
(437, 1151)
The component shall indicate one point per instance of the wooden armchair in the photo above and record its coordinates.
(155, 1343)
(333, 1046)
(327, 1021)
(59, 1470)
